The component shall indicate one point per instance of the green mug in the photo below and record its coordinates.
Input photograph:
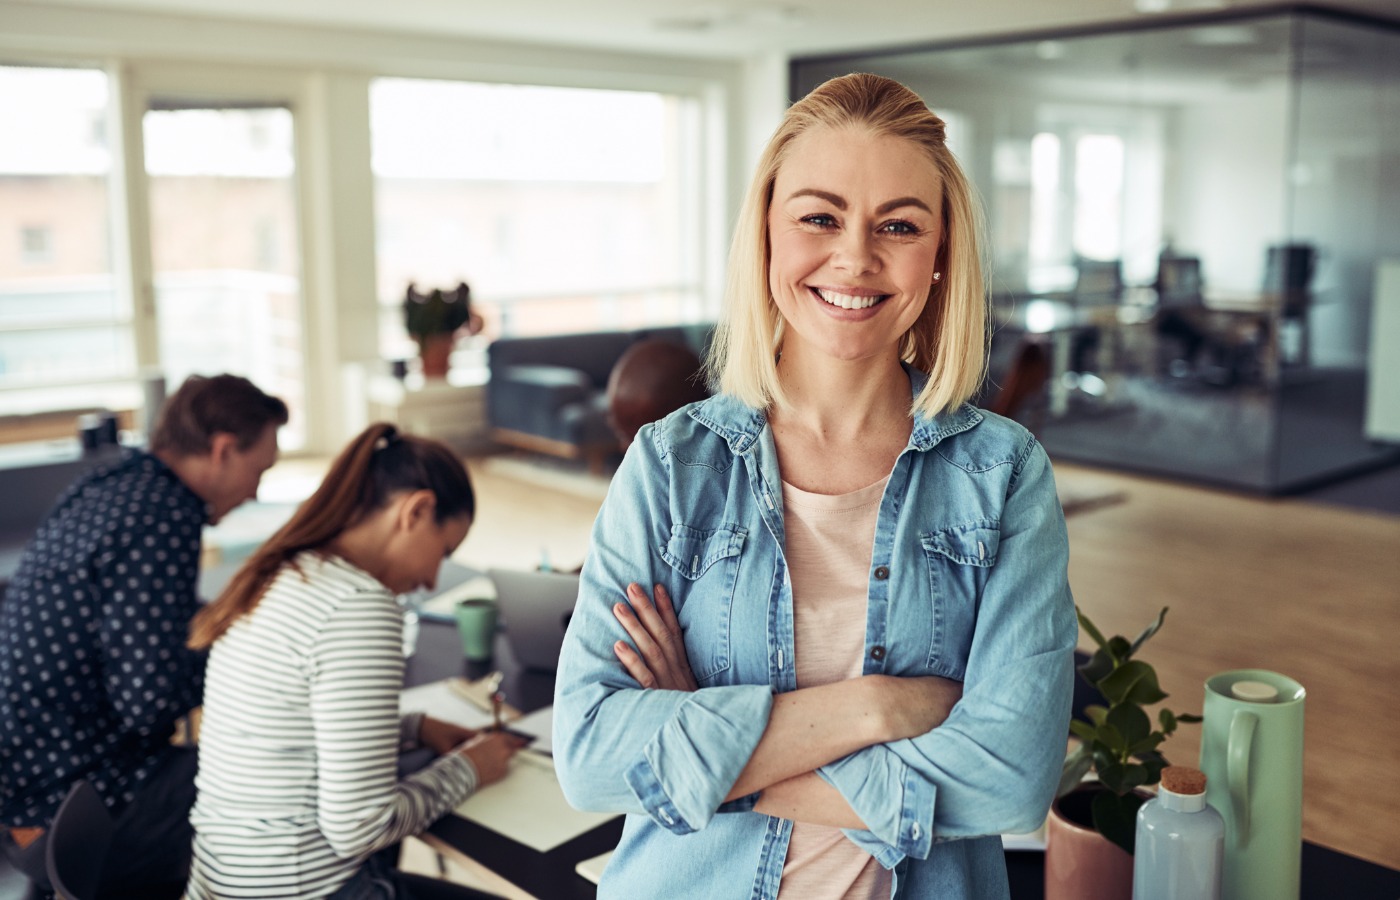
(476, 625)
(1252, 755)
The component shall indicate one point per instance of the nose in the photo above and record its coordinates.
(856, 253)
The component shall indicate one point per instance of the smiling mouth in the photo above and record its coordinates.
(848, 301)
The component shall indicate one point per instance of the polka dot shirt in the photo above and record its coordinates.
(93, 668)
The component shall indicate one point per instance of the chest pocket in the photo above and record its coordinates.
(959, 561)
(706, 567)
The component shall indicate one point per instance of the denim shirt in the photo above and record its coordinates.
(968, 581)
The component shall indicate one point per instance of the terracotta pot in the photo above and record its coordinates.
(1080, 863)
(434, 350)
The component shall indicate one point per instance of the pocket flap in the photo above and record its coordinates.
(968, 545)
(691, 551)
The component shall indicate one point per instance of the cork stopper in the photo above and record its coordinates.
(1184, 780)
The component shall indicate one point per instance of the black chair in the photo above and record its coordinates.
(1097, 281)
(78, 841)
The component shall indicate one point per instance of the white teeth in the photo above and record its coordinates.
(846, 301)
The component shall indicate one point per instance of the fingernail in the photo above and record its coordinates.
(621, 609)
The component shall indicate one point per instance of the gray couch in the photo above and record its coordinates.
(547, 394)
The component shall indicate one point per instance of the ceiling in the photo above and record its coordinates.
(708, 28)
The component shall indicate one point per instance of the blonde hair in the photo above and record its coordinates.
(949, 339)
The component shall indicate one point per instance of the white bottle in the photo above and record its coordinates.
(1180, 841)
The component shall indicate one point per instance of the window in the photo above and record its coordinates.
(224, 250)
(36, 244)
(564, 209)
(65, 339)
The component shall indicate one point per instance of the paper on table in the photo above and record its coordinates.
(592, 868)
(439, 700)
(528, 806)
(540, 724)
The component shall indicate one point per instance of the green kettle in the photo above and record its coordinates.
(1252, 755)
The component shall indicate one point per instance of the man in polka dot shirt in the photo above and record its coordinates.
(94, 672)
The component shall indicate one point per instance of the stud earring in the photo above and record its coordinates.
(937, 277)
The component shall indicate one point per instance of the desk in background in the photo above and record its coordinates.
(1326, 873)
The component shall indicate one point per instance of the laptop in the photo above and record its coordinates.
(535, 608)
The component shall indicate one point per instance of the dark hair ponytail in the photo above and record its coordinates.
(377, 465)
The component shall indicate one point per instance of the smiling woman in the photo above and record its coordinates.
(856, 643)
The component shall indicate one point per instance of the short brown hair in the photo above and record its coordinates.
(207, 405)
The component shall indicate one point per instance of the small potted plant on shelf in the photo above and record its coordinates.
(1119, 744)
(433, 320)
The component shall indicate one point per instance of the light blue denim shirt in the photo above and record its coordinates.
(968, 581)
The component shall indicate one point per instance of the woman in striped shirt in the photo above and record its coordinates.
(298, 786)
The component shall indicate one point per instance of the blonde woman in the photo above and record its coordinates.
(856, 670)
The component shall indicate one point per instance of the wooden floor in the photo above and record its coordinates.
(1307, 590)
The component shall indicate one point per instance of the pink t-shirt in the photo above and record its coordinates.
(829, 546)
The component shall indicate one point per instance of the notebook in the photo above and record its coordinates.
(535, 608)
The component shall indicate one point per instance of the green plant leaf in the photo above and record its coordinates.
(1111, 776)
(1098, 667)
(1147, 744)
(1119, 647)
(1096, 713)
(1134, 775)
(1188, 718)
(1150, 630)
(1089, 627)
(1083, 730)
(1168, 720)
(1133, 682)
(1077, 764)
(1131, 722)
(1112, 738)
(1115, 817)
(1154, 763)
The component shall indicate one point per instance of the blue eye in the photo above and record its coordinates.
(900, 227)
(821, 220)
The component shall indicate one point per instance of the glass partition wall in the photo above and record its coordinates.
(1185, 219)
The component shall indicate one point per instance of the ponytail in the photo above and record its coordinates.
(377, 465)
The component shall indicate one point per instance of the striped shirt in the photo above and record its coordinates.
(300, 738)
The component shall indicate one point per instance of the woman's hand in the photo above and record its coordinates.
(490, 753)
(659, 660)
(915, 706)
(442, 737)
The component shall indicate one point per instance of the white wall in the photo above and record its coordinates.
(325, 73)
(1225, 200)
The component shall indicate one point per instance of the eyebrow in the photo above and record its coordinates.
(839, 202)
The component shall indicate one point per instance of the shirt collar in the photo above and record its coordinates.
(740, 424)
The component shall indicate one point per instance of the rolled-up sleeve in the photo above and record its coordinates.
(671, 755)
(993, 765)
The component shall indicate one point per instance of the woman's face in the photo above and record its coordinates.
(415, 552)
(854, 229)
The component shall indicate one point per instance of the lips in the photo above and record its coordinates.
(862, 300)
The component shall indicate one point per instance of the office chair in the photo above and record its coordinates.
(78, 842)
(1097, 281)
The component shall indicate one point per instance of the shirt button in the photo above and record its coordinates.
(877, 652)
(882, 572)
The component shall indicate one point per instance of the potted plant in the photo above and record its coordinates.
(433, 320)
(1120, 746)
